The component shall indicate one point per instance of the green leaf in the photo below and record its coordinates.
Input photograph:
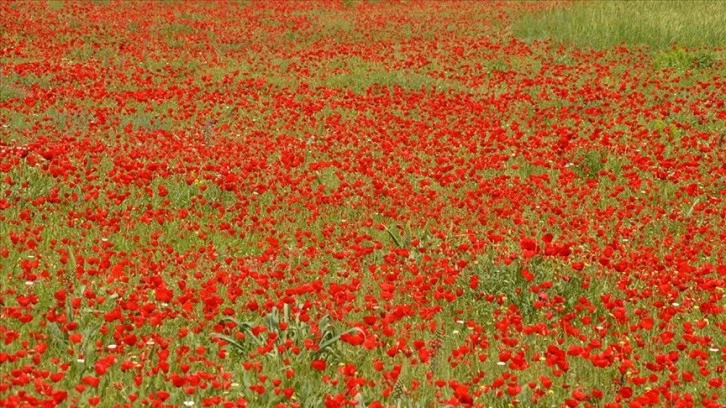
(56, 333)
(394, 238)
(230, 341)
(327, 343)
(272, 321)
(245, 327)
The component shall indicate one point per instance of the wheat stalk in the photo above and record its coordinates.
(208, 131)
(437, 342)
(398, 390)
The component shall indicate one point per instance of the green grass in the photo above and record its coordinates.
(657, 24)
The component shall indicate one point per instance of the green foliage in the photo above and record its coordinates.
(601, 24)
(348, 3)
(682, 59)
(9, 92)
(55, 5)
(287, 327)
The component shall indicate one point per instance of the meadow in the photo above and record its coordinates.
(362, 204)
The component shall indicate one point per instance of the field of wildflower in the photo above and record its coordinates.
(361, 204)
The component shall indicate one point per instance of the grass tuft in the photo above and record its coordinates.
(681, 59)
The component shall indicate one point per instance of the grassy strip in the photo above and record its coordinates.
(657, 24)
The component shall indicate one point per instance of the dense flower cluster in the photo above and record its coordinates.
(233, 204)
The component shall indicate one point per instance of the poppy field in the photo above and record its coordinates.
(356, 203)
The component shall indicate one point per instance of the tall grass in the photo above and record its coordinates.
(657, 24)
